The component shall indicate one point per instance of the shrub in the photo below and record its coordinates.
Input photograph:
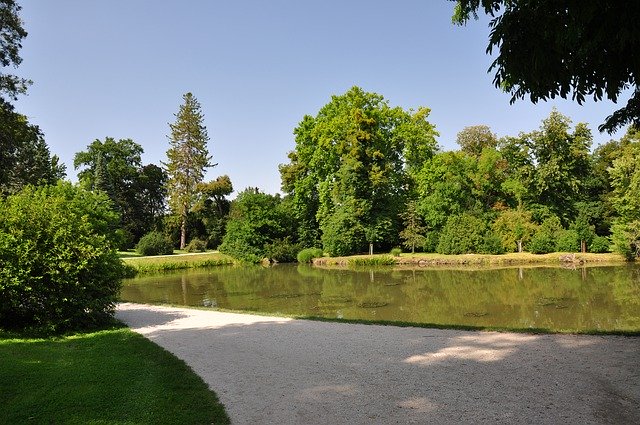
(600, 244)
(396, 252)
(544, 240)
(196, 245)
(59, 267)
(282, 250)
(154, 243)
(625, 239)
(491, 244)
(541, 243)
(308, 254)
(567, 241)
(462, 234)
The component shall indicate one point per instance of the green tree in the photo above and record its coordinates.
(472, 140)
(353, 166)
(413, 232)
(625, 180)
(24, 156)
(515, 228)
(550, 48)
(256, 220)
(187, 160)
(11, 35)
(59, 268)
(462, 234)
(137, 192)
(213, 208)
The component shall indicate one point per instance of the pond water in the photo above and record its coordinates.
(594, 298)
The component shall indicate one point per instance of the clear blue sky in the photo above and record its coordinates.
(119, 68)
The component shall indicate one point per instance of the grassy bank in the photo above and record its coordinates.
(176, 262)
(512, 259)
(108, 377)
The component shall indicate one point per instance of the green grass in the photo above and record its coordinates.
(176, 262)
(372, 260)
(109, 377)
(511, 259)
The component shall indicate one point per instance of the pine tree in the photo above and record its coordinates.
(188, 158)
(413, 233)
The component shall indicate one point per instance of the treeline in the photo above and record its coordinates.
(365, 175)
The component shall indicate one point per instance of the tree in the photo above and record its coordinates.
(413, 232)
(188, 158)
(138, 192)
(24, 156)
(256, 221)
(11, 35)
(352, 169)
(514, 227)
(213, 208)
(550, 48)
(472, 140)
(462, 234)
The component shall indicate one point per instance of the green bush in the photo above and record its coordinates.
(196, 245)
(567, 241)
(600, 244)
(462, 234)
(625, 239)
(544, 240)
(541, 243)
(308, 254)
(282, 251)
(491, 244)
(59, 266)
(154, 243)
(396, 252)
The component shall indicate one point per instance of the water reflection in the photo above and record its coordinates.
(603, 298)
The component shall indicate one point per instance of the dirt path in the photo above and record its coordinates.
(279, 371)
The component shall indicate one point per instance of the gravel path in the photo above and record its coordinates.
(270, 370)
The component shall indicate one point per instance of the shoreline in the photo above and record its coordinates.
(505, 260)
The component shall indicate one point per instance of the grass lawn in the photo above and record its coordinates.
(109, 377)
(175, 262)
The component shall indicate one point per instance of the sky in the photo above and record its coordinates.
(119, 68)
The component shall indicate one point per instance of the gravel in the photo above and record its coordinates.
(270, 370)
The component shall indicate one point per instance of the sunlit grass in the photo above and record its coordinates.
(430, 259)
(110, 377)
(176, 262)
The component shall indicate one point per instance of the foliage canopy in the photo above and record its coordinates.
(549, 48)
(59, 268)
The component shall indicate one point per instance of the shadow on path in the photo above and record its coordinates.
(274, 370)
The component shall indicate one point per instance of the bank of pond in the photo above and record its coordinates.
(577, 297)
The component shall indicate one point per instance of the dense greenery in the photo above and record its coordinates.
(87, 379)
(59, 265)
(11, 34)
(154, 243)
(138, 192)
(260, 225)
(549, 48)
(353, 168)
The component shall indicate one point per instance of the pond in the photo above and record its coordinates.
(552, 298)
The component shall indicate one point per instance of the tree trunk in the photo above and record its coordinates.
(519, 245)
(583, 246)
(370, 248)
(183, 232)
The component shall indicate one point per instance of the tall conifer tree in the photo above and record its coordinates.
(188, 158)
